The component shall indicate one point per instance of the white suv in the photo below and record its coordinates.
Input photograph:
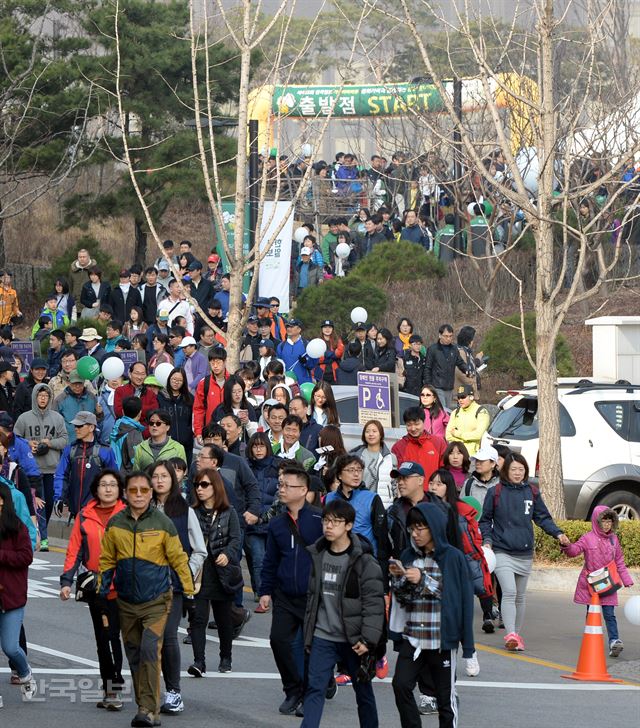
(600, 441)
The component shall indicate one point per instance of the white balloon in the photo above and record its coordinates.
(162, 372)
(316, 348)
(343, 250)
(470, 207)
(490, 558)
(300, 234)
(307, 150)
(112, 368)
(359, 315)
(632, 610)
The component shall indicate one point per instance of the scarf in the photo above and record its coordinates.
(404, 338)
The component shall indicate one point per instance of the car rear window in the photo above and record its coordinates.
(520, 422)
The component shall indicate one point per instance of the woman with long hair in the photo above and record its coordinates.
(16, 554)
(436, 418)
(184, 261)
(168, 499)
(323, 405)
(234, 402)
(162, 351)
(330, 437)
(83, 552)
(221, 530)
(465, 341)
(385, 355)
(457, 461)
(135, 323)
(177, 400)
(378, 461)
(328, 363)
(65, 301)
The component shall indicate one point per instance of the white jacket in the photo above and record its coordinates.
(380, 480)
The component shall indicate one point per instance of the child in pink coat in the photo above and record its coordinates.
(601, 546)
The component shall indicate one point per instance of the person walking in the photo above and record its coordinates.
(441, 362)
(140, 547)
(83, 551)
(378, 461)
(160, 446)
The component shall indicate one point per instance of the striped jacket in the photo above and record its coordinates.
(140, 553)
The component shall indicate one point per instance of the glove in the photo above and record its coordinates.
(303, 359)
(58, 507)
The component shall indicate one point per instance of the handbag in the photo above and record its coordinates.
(605, 581)
(86, 584)
(230, 577)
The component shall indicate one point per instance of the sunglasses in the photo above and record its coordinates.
(144, 490)
(202, 484)
(156, 423)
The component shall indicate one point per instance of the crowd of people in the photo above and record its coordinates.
(174, 471)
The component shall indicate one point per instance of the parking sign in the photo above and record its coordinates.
(374, 398)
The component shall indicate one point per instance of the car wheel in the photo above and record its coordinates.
(625, 503)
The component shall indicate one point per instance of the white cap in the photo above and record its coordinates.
(187, 341)
(305, 251)
(486, 452)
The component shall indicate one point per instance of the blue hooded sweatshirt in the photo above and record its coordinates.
(456, 604)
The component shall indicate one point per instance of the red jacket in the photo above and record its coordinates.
(85, 543)
(149, 402)
(202, 411)
(15, 556)
(323, 363)
(473, 547)
(427, 450)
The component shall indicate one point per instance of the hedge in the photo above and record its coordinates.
(403, 261)
(548, 548)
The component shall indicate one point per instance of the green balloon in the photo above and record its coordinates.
(600, 200)
(488, 208)
(88, 367)
(291, 375)
(306, 390)
(474, 503)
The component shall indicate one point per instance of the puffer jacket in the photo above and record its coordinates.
(266, 472)
(475, 488)
(362, 598)
(15, 556)
(468, 425)
(599, 548)
(37, 424)
(69, 404)
(378, 478)
(144, 454)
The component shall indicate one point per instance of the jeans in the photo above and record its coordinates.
(44, 514)
(170, 648)
(10, 623)
(609, 616)
(322, 658)
(108, 645)
(255, 544)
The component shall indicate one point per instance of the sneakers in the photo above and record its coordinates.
(28, 686)
(343, 679)
(472, 666)
(289, 704)
(237, 630)
(300, 709)
(111, 701)
(520, 645)
(44, 545)
(198, 669)
(511, 641)
(332, 689)
(225, 665)
(427, 705)
(15, 678)
(488, 626)
(382, 668)
(172, 703)
(615, 648)
(143, 719)
(212, 624)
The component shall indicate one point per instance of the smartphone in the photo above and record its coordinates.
(397, 563)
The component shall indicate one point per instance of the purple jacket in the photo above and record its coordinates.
(598, 549)
(196, 367)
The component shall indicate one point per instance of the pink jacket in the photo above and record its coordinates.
(598, 549)
(438, 425)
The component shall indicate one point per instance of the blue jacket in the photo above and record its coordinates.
(78, 466)
(266, 473)
(507, 525)
(362, 500)
(416, 234)
(109, 416)
(287, 563)
(22, 510)
(296, 360)
(68, 405)
(20, 453)
(54, 362)
(456, 602)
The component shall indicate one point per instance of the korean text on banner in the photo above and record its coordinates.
(274, 269)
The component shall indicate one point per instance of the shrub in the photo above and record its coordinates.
(60, 266)
(548, 548)
(503, 345)
(335, 299)
(402, 261)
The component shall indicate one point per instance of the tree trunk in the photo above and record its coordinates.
(550, 464)
(3, 252)
(140, 251)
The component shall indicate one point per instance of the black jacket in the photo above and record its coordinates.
(222, 535)
(368, 354)
(309, 435)
(7, 395)
(363, 609)
(22, 401)
(181, 411)
(122, 309)
(348, 369)
(385, 359)
(440, 366)
(88, 296)
(414, 367)
(203, 294)
(151, 297)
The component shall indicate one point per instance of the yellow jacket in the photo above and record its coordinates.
(468, 425)
(8, 305)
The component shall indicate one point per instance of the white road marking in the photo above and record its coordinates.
(65, 655)
(242, 641)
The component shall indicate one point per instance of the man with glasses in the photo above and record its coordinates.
(278, 327)
(342, 623)
(285, 577)
(140, 548)
(136, 388)
(81, 461)
(160, 445)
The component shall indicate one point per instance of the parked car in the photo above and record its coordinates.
(599, 437)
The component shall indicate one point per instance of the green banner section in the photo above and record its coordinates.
(384, 100)
(229, 220)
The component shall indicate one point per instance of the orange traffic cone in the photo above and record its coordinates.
(592, 665)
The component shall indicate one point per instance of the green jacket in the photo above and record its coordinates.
(144, 456)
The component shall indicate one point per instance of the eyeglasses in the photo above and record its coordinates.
(284, 486)
(427, 394)
(156, 423)
(353, 470)
(332, 521)
(417, 529)
(202, 484)
(108, 484)
(144, 490)
(274, 305)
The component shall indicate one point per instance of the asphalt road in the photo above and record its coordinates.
(524, 690)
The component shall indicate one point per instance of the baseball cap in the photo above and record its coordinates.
(163, 265)
(487, 453)
(327, 322)
(213, 258)
(186, 278)
(195, 265)
(261, 303)
(84, 418)
(6, 420)
(360, 327)
(305, 251)
(293, 322)
(75, 378)
(125, 273)
(267, 342)
(38, 363)
(6, 367)
(407, 468)
(252, 319)
(464, 390)
(163, 315)
(187, 341)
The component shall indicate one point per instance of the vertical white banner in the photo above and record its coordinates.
(275, 267)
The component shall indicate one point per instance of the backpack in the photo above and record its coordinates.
(473, 557)
(119, 445)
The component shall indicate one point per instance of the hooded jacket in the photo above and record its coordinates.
(508, 516)
(476, 488)
(22, 509)
(69, 404)
(362, 598)
(22, 401)
(470, 424)
(428, 450)
(456, 601)
(37, 424)
(132, 431)
(347, 372)
(599, 548)
(78, 466)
